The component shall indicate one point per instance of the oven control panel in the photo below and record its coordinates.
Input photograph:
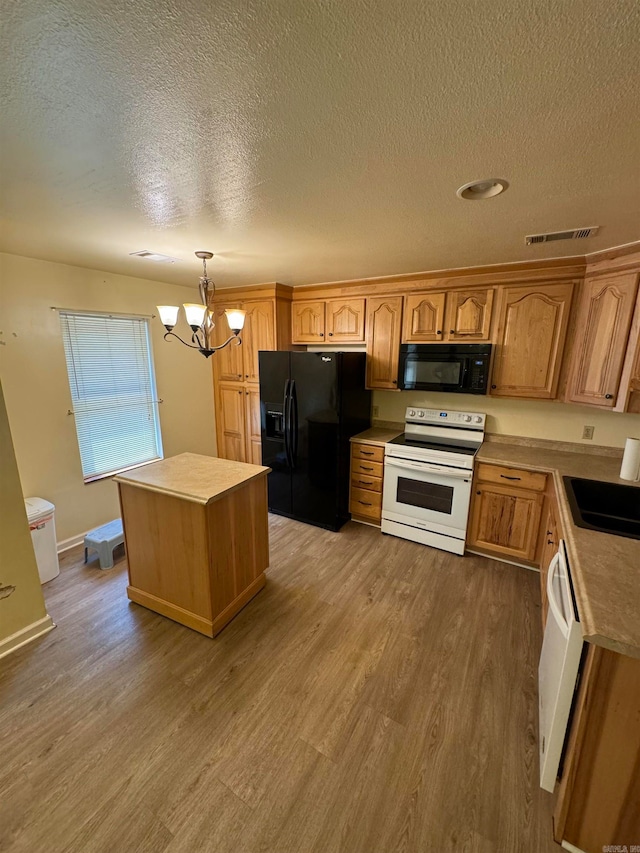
(471, 420)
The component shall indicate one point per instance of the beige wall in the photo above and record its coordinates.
(21, 601)
(36, 386)
(551, 420)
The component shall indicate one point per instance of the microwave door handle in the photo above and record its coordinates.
(551, 596)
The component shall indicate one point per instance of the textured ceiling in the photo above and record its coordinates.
(315, 140)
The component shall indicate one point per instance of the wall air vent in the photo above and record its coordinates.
(154, 256)
(574, 234)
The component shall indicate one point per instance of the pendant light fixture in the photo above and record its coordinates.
(200, 316)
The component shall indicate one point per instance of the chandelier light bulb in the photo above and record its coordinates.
(168, 315)
(235, 319)
(195, 314)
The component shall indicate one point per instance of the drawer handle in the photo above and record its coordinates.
(365, 482)
(608, 396)
(366, 452)
(364, 503)
(364, 468)
(506, 477)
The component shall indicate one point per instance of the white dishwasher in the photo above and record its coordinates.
(559, 666)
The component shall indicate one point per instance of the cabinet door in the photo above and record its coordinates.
(531, 336)
(230, 418)
(601, 339)
(469, 315)
(423, 318)
(252, 426)
(550, 542)
(345, 321)
(307, 322)
(259, 333)
(227, 362)
(384, 316)
(505, 521)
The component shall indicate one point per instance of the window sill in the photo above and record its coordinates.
(95, 477)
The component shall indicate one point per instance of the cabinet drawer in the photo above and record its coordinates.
(362, 466)
(516, 477)
(367, 451)
(367, 504)
(362, 481)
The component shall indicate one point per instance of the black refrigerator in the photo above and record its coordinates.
(311, 403)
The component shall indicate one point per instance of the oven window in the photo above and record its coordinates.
(432, 372)
(425, 495)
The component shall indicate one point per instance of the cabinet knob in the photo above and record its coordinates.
(608, 396)
(478, 493)
(246, 376)
(549, 532)
(395, 381)
(494, 386)
(452, 331)
(330, 334)
(550, 542)
(439, 332)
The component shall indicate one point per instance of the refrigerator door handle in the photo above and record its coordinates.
(286, 404)
(293, 410)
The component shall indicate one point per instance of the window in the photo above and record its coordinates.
(113, 391)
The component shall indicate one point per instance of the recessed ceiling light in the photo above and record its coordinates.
(486, 188)
(153, 256)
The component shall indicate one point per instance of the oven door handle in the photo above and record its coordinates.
(428, 468)
(551, 597)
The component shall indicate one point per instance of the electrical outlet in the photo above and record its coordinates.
(587, 432)
(374, 411)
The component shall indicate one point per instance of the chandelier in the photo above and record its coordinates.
(200, 317)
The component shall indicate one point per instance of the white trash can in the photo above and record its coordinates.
(41, 515)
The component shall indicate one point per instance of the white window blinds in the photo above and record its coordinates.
(113, 391)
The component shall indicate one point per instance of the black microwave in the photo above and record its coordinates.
(457, 368)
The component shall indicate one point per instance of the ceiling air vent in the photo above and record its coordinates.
(154, 256)
(574, 234)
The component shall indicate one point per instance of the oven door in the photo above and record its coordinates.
(426, 495)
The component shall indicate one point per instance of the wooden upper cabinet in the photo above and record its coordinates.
(258, 334)
(602, 335)
(531, 335)
(307, 322)
(344, 321)
(227, 362)
(384, 318)
(423, 318)
(456, 315)
(469, 315)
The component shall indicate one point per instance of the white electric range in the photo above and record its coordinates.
(427, 477)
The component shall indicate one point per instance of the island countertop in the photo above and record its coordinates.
(605, 569)
(192, 477)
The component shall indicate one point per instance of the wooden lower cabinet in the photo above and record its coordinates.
(505, 519)
(598, 799)
(253, 425)
(231, 422)
(365, 502)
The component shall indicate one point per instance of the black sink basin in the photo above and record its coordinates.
(609, 507)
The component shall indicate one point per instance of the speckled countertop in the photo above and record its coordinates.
(200, 479)
(378, 435)
(605, 569)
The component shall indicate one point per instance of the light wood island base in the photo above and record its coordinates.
(196, 553)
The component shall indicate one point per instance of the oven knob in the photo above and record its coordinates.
(412, 413)
(467, 418)
(420, 414)
(478, 419)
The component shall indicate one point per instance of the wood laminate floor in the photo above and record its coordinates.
(377, 696)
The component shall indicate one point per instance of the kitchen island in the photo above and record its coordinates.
(196, 535)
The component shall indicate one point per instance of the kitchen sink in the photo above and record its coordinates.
(609, 507)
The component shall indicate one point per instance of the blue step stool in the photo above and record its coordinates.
(103, 540)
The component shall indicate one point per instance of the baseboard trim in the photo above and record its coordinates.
(26, 635)
(71, 542)
(501, 559)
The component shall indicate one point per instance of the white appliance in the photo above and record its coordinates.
(427, 477)
(559, 666)
(41, 517)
